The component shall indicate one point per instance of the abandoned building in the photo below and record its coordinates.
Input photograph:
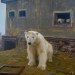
(55, 19)
(50, 17)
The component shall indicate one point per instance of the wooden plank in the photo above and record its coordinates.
(18, 70)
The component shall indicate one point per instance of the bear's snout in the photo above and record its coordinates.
(29, 43)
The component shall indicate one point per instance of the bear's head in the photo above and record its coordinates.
(31, 37)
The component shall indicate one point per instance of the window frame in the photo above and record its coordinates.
(63, 25)
(12, 16)
(22, 10)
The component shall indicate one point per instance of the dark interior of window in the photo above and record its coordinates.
(12, 14)
(22, 13)
(62, 18)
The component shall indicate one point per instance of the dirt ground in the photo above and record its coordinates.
(63, 62)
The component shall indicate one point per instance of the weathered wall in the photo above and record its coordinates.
(39, 16)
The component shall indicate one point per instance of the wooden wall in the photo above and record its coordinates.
(39, 16)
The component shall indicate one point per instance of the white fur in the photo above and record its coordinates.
(40, 47)
(60, 20)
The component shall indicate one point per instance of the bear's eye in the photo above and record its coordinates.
(27, 36)
(33, 37)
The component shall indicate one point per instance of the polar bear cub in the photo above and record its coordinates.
(38, 46)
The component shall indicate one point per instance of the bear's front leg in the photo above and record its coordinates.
(31, 57)
(42, 60)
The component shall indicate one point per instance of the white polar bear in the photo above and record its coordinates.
(38, 46)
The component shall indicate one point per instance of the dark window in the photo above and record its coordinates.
(63, 18)
(12, 14)
(22, 13)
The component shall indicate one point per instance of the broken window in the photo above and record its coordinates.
(22, 13)
(62, 18)
(12, 14)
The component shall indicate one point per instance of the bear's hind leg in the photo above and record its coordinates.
(50, 56)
